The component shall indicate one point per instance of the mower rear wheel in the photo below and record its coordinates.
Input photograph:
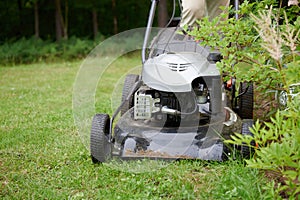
(129, 82)
(245, 102)
(246, 150)
(100, 145)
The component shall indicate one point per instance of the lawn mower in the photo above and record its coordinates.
(179, 107)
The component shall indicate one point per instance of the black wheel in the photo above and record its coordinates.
(246, 150)
(100, 144)
(129, 82)
(245, 101)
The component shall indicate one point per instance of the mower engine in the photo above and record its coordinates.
(177, 86)
(155, 105)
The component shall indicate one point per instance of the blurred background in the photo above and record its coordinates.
(62, 19)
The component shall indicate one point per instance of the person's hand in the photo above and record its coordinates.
(293, 2)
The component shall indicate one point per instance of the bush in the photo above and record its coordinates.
(278, 147)
(34, 50)
(257, 47)
(263, 47)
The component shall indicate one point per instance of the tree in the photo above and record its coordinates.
(95, 22)
(61, 24)
(35, 5)
(36, 20)
(94, 8)
(115, 18)
(58, 19)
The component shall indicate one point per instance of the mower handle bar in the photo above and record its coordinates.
(150, 22)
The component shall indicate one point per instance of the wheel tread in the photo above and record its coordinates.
(246, 101)
(246, 150)
(130, 80)
(99, 138)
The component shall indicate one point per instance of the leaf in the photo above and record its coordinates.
(291, 174)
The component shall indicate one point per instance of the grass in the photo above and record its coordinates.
(42, 156)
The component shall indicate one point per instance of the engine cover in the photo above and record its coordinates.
(174, 72)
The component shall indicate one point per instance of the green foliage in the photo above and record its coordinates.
(263, 47)
(278, 146)
(258, 46)
(34, 50)
(237, 182)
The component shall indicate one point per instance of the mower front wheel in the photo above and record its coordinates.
(100, 143)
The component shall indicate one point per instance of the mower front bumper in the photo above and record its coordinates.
(158, 145)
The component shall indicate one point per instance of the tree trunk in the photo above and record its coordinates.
(58, 27)
(65, 22)
(36, 20)
(115, 19)
(61, 25)
(162, 13)
(20, 19)
(95, 23)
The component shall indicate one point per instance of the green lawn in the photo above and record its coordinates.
(42, 156)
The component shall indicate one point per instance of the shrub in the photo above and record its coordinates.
(278, 147)
(263, 47)
(257, 47)
(34, 50)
